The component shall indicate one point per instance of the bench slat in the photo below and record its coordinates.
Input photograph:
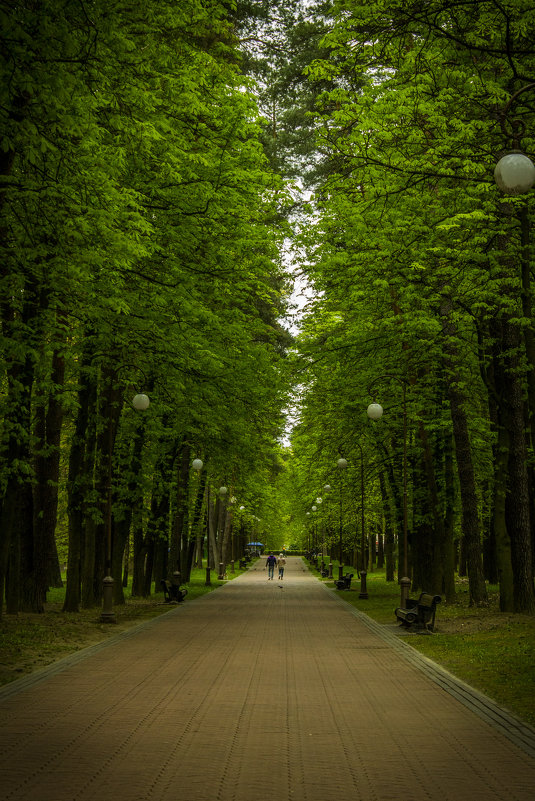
(419, 611)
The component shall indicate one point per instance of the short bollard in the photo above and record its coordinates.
(221, 574)
(363, 591)
(330, 569)
(107, 614)
(405, 583)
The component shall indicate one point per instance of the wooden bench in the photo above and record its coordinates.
(345, 582)
(420, 612)
(172, 592)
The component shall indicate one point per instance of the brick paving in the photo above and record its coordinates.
(260, 690)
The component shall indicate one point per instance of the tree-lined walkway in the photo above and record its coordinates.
(259, 690)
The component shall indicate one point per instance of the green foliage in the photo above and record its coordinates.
(141, 232)
(412, 251)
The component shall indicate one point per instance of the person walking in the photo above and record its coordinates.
(281, 562)
(270, 564)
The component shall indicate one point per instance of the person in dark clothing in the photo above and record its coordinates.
(271, 561)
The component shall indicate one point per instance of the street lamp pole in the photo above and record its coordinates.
(342, 465)
(515, 172)
(320, 538)
(207, 582)
(375, 412)
(223, 492)
(232, 501)
(140, 402)
(315, 534)
(326, 543)
(197, 465)
(364, 559)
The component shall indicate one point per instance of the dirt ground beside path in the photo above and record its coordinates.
(30, 642)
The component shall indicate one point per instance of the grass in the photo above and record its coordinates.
(30, 641)
(492, 651)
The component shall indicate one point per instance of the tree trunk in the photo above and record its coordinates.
(199, 515)
(16, 525)
(110, 407)
(449, 517)
(517, 498)
(434, 579)
(527, 313)
(389, 530)
(90, 508)
(157, 536)
(467, 488)
(380, 551)
(213, 511)
(517, 503)
(465, 466)
(226, 529)
(396, 507)
(499, 523)
(48, 434)
(421, 538)
(121, 531)
(180, 521)
(75, 489)
(132, 497)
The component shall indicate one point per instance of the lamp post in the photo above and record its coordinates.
(232, 501)
(326, 490)
(515, 175)
(197, 465)
(314, 534)
(375, 412)
(223, 492)
(364, 560)
(141, 403)
(515, 172)
(341, 465)
(243, 532)
(320, 537)
(207, 581)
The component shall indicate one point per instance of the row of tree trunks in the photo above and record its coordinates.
(76, 484)
(463, 453)
(511, 518)
(23, 590)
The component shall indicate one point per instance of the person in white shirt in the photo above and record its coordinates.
(281, 561)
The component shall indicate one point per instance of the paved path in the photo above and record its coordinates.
(260, 690)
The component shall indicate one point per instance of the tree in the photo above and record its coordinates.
(403, 145)
(141, 233)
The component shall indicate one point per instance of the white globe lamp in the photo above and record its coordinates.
(141, 402)
(375, 411)
(515, 173)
